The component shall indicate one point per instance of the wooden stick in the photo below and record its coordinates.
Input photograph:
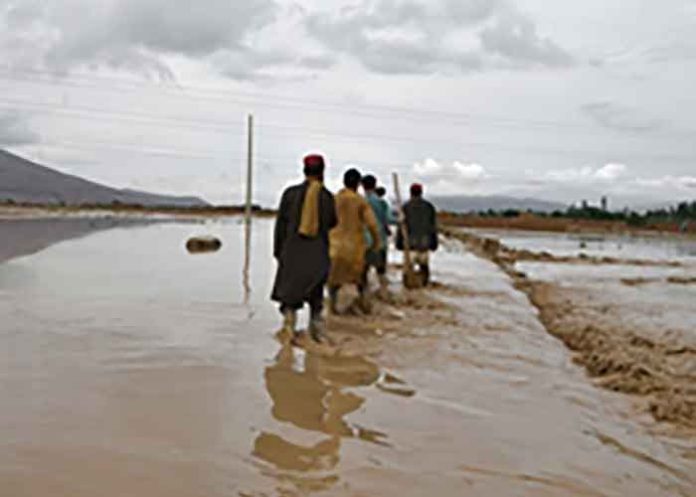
(408, 266)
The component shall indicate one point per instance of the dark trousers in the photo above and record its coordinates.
(315, 299)
(373, 259)
(376, 259)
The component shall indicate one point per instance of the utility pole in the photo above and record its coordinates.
(248, 205)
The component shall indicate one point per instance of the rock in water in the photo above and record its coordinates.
(201, 244)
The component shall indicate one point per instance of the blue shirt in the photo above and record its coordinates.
(381, 210)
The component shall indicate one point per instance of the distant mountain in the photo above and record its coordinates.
(464, 203)
(23, 181)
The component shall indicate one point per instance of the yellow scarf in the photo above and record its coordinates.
(309, 222)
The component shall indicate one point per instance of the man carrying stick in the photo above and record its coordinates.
(420, 218)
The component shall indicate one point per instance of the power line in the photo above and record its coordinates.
(96, 113)
(135, 148)
(221, 126)
(273, 161)
(297, 130)
(313, 105)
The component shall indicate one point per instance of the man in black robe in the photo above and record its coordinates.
(301, 246)
(420, 217)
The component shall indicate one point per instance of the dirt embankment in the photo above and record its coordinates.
(662, 373)
(673, 280)
(493, 249)
(532, 222)
(32, 210)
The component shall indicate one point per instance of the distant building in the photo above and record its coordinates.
(605, 203)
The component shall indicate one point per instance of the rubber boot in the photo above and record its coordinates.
(383, 292)
(333, 298)
(363, 303)
(317, 328)
(425, 274)
(288, 330)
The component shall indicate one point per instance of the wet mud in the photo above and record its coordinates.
(675, 280)
(661, 371)
(494, 250)
(657, 363)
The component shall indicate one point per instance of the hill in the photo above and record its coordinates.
(464, 203)
(23, 181)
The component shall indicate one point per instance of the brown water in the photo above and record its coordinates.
(129, 367)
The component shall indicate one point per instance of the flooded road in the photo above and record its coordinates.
(129, 367)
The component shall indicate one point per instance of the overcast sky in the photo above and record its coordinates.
(559, 100)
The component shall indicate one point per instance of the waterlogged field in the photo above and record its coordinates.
(628, 246)
(130, 367)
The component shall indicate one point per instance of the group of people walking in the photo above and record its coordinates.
(322, 239)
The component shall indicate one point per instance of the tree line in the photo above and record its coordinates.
(681, 212)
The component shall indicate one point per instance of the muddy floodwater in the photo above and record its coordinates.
(129, 367)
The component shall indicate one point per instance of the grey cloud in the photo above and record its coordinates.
(683, 50)
(15, 130)
(419, 37)
(251, 65)
(410, 58)
(133, 35)
(620, 118)
(190, 28)
(323, 61)
(515, 38)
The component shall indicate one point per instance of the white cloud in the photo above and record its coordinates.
(610, 172)
(428, 168)
(606, 174)
(669, 181)
(432, 169)
(472, 172)
(451, 178)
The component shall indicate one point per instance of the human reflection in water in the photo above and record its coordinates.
(309, 394)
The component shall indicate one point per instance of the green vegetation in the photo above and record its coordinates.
(680, 213)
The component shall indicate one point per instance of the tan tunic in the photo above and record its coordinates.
(347, 239)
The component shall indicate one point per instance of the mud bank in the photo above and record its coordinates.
(657, 367)
(506, 256)
(674, 280)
